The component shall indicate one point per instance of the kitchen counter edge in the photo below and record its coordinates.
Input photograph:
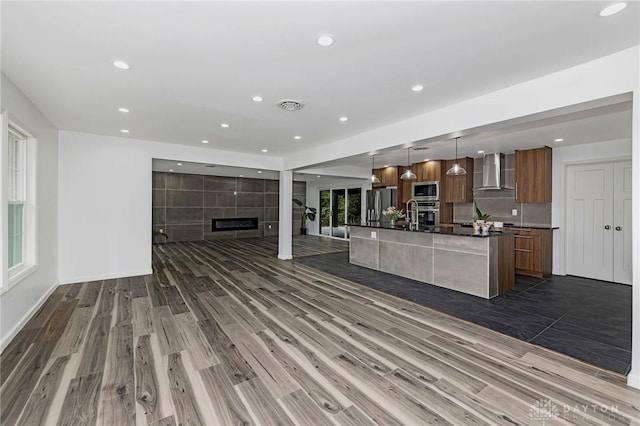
(462, 232)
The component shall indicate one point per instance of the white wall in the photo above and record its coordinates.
(562, 156)
(313, 196)
(105, 200)
(22, 300)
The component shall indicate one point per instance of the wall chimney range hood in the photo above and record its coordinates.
(493, 172)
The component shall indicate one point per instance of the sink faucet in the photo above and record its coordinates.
(412, 206)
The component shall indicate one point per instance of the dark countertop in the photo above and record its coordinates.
(511, 225)
(551, 228)
(463, 232)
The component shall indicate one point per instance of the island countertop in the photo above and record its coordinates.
(462, 232)
(480, 266)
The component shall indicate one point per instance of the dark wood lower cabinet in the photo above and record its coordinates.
(506, 260)
(533, 252)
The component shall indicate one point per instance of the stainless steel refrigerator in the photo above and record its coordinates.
(377, 201)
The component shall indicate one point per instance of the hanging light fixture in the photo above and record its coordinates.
(408, 174)
(374, 178)
(456, 169)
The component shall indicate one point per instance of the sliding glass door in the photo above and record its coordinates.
(338, 218)
(354, 206)
(337, 208)
(325, 212)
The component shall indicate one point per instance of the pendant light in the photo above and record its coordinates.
(456, 170)
(373, 178)
(408, 174)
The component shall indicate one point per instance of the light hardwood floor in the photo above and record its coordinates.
(224, 333)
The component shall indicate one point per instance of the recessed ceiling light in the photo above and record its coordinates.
(325, 40)
(265, 150)
(417, 88)
(343, 118)
(558, 140)
(225, 125)
(170, 170)
(204, 141)
(426, 159)
(123, 109)
(318, 176)
(259, 171)
(179, 164)
(257, 99)
(297, 137)
(124, 130)
(386, 165)
(481, 152)
(613, 8)
(122, 65)
(241, 176)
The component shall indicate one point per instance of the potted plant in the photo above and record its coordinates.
(479, 215)
(306, 212)
(480, 227)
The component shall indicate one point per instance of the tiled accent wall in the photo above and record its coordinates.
(499, 203)
(184, 204)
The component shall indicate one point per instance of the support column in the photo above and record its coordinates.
(285, 251)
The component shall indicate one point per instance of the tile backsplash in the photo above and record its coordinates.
(500, 203)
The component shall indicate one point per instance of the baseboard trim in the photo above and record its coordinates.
(86, 278)
(26, 317)
(285, 257)
(633, 379)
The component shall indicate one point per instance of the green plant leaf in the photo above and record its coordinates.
(479, 214)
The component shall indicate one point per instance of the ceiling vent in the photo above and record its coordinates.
(290, 105)
(421, 148)
(210, 165)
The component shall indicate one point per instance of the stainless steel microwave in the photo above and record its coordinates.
(426, 191)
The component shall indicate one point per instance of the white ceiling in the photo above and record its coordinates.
(593, 124)
(197, 64)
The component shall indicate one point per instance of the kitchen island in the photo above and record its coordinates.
(451, 258)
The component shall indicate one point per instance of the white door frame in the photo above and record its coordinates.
(563, 202)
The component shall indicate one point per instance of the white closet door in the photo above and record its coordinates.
(622, 272)
(590, 225)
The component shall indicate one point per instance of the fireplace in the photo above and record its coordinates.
(234, 224)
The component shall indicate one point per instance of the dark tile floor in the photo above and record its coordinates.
(587, 319)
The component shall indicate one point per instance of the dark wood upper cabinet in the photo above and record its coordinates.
(379, 173)
(388, 177)
(457, 189)
(533, 175)
(405, 187)
(427, 171)
(431, 170)
(391, 176)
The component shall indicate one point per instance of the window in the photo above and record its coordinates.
(18, 167)
(17, 198)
